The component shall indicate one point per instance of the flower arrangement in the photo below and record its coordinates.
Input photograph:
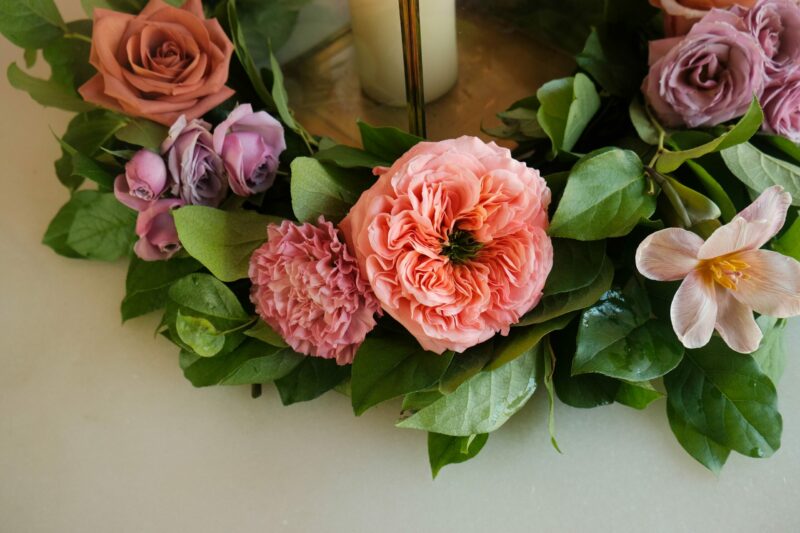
(617, 254)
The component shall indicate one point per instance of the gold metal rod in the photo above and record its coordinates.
(412, 61)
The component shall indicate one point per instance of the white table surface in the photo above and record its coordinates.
(99, 431)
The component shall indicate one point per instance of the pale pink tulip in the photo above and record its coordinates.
(726, 277)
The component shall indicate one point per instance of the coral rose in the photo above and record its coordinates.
(308, 287)
(452, 239)
(159, 64)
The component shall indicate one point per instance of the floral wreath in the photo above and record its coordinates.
(616, 255)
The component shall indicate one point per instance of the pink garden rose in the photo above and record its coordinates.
(144, 180)
(453, 241)
(158, 237)
(198, 175)
(681, 15)
(726, 277)
(309, 289)
(250, 144)
(781, 104)
(708, 77)
(776, 26)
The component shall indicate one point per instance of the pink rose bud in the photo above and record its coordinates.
(250, 145)
(144, 180)
(158, 237)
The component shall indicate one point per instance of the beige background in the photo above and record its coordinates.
(100, 432)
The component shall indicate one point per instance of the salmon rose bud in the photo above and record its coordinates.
(453, 240)
(160, 64)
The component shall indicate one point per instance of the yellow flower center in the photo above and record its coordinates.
(726, 270)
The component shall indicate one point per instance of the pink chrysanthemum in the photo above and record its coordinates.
(308, 287)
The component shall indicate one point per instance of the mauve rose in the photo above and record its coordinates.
(197, 172)
(781, 103)
(681, 15)
(250, 144)
(159, 64)
(144, 180)
(158, 238)
(708, 77)
(776, 26)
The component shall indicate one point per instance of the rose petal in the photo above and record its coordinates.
(668, 255)
(694, 310)
(773, 284)
(735, 323)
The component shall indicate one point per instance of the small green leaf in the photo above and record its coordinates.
(205, 296)
(520, 340)
(263, 332)
(548, 367)
(387, 367)
(200, 335)
(222, 241)
(746, 127)
(706, 451)
(642, 123)
(637, 394)
(349, 157)
(86, 133)
(583, 391)
(771, 355)
(612, 60)
(85, 167)
(30, 23)
(310, 379)
(144, 133)
(789, 242)
(319, 189)
(567, 106)
(483, 403)
(242, 52)
(760, 171)
(48, 93)
(415, 401)
(58, 230)
(576, 264)
(465, 365)
(281, 98)
(606, 196)
(445, 450)
(148, 282)
(386, 143)
(102, 229)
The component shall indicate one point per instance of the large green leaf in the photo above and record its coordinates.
(387, 367)
(349, 157)
(385, 142)
(148, 282)
(86, 133)
(582, 391)
(637, 394)
(725, 397)
(58, 230)
(771, 355)
(483, 403)
(203, 295)
(567, 106)
(251, 362)
(320, 189)
(613, 60)
(556, 305)
(268, 25)
(144, 133)
(746, 127)
(520, 340)
(760, 171)
(789, 242)
(606, 196)
(446, 450)
(310, 379)
(30, 23)
(48, 93)
(222, 241)
(618, 337)
(102, 229)
(706, 451)
(243, 54)
(642, 123)
(465, 365)
(576, 264)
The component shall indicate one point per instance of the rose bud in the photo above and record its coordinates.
(196, 170)
(144, 180)
(158, 237)
(250, 144)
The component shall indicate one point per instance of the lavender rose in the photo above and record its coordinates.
(144, 180)
(250, 144)
(776, 26)
(158, 237)
(197, 172)
(707, 78)
(781, 104)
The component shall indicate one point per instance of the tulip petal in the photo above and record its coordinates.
(771, 206)
(694, 310)
(668, 255)
(736, 325)
(773, 285)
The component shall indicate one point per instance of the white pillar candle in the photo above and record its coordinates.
(379, 48)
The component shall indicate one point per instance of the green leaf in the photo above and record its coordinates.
(693, 207)
(310, 379)
(102, 229)
(483, 403)
(58, 230)
(523, 339)
(713, 188)
(746, 127)
(222, 241)
(445, 450)
(583, 391)
(349, 157)
(760, 171)
(281, 98)
(612, 61)
(387, 367)
(642, 123)
(465, 365)
(86, 133)
(69, 57)
(556, 305)
(200, 335)
(618, 337)
(637, 394)
(548, 367)
(86, 167)
(725, 397)
(148, 282)
(386, 143)
(567, 106)
(242, 52)
(788, 147)
(576, 264)
(415, 401)
(30, 23)
(706, 451)
(771, 355)
(205, 296)
(606, 196)
(48, 93)
(789, 242)
(319, 189)
(144, 133)
(263, 332)
(268, 25)
(251, 362)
